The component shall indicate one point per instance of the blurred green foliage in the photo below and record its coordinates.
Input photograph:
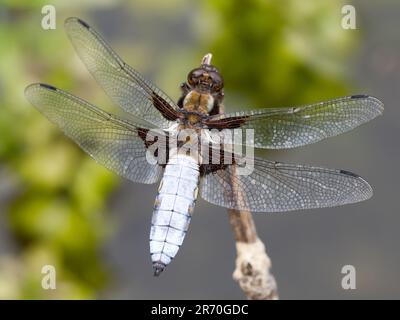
(57, 214)
(271, 53)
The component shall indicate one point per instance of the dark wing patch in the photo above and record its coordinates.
(225, 123)
(214, 164)
(164, 107)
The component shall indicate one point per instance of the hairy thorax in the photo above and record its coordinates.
(196, 105)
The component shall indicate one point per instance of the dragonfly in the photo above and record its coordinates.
(121, 144)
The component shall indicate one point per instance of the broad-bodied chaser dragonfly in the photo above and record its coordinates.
(121, 144)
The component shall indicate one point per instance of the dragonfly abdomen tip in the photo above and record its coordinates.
(158, 267)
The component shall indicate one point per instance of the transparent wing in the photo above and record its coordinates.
(124, 85)
(112, 142)
(293, 127)
(278, 187)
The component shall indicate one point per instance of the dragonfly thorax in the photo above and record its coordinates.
(197, 104)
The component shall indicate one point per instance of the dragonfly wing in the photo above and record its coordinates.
(124, 85)
(116, 144)
(278, 187)
(293, 127)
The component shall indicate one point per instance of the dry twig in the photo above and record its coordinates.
(253, 265)
(252, 262)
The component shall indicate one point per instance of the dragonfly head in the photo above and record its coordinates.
(206, 78)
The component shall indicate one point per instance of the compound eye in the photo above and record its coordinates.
(194, 76)
(196, 73)
(190, 81)
(218, 83)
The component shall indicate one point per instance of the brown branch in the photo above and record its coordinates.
(253, 265)
(252, 262)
